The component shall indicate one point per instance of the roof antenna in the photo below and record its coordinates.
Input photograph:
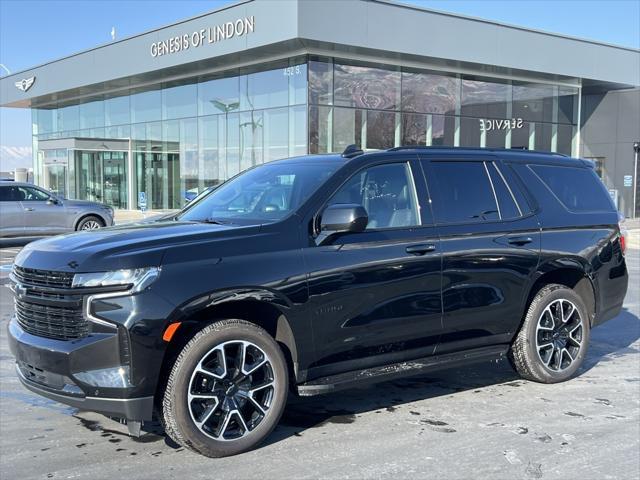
(351, 151)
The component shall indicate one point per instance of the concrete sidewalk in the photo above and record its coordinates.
(125, 216)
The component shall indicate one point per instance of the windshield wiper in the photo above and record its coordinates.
(212, 221)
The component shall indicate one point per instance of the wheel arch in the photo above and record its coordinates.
(570, 273)
(260, 307)
(84, 215)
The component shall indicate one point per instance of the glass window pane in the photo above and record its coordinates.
(543, 136)
(179, 101)
(366, 87)
(117, 111)
(189, 164)
(533, 102)
(508, 207)
(264, 89)
(232, 164)
(319, 131)
(211, 149)
(92, 114)
(251, 132)
(579, 189)
(414, 129)
(567, 105)
(69, 118)
(297, 84)
(276, 134)
(347, 128)
(564, 139)
(320, 83)
(387, 194)
(462, 192)
(146, 106)
(469, 132)
(221, 95)
(298, 130)
(381, 127)
(429, 93)
(443, 130)
(484, 99)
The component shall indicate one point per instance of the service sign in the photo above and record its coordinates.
(204, 36)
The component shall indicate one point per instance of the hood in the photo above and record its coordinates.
(128, 246)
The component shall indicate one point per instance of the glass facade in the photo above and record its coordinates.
(184, 136)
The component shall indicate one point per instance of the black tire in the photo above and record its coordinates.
(178, 411)
(89, 220)
(528, 353)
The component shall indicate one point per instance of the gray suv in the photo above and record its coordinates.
(26, 209)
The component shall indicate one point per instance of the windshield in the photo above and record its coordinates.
(265, 193)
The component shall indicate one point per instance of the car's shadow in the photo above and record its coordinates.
(608, 341)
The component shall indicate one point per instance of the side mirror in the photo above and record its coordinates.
(342, 218)
(53, 201)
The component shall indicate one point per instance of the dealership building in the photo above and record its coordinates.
(174, 110)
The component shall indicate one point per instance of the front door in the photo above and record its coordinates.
(375, 295)
(490, 246)
(43, 215)
(11, 212)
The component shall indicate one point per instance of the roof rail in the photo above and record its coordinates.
(352, 151)
(472, 149)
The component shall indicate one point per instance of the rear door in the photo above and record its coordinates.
(41, 215)
(375, 295)
(11, 213)
(490, 243)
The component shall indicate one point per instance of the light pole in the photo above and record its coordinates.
(636, 149)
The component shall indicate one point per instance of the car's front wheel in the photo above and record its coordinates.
(227, 389)
(90, 223)
(552, 342)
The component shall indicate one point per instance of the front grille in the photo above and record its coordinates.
(62, 323)
(43, 278)
(45, 308)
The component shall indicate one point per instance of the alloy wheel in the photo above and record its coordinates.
(559, 335)
(91, 225)
(231, 390)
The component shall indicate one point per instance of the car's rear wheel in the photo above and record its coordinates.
(552, 342)
(227, 389)
(90, 223)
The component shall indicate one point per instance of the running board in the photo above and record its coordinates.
(358, 378)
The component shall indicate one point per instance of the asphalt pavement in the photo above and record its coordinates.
(474, 422)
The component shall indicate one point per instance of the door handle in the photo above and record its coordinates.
(421, 249)
(28, 209)
(519, 240)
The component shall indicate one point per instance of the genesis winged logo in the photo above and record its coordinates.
(25, 84)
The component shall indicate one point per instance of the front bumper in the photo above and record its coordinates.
(83, 373)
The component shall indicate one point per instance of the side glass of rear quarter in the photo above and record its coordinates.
(490, 244)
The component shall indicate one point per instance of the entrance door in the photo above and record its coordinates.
(102, 177)
(115, 179)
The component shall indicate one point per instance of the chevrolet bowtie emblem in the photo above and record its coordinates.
(25, 84)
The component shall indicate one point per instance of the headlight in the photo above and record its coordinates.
(138, 279)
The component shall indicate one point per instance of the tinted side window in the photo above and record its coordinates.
(30, 194)
(578, 189)
(387, 194)
(507, 203)
(462, 193)
(7, 194)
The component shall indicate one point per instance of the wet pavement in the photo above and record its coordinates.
(480, 421)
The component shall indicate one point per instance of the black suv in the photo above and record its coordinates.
(318, 273)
